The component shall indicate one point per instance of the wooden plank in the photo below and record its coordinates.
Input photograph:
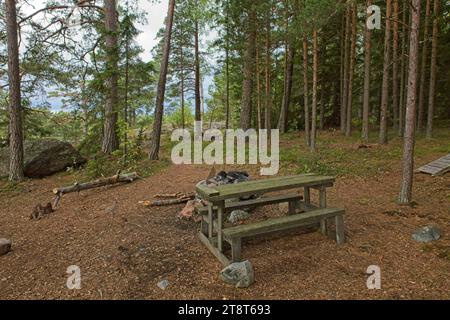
(437, 167)
(265, 201)
(219, 255)
(265, 185)
(236, 250)
(282, 223)
(210, 222)
(220, 212)
(322, 205)
(340, 235)
(205, 192)
(307, 197)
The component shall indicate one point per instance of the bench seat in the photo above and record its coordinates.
(234, 235)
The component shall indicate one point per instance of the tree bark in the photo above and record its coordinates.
(341, 70)
(268, 111)
(283, 120)
(183, 121)
(420, 116)
(366, 94)
(159, 106)
(198, 107)
(259, 119)
(305, 92)
(431, 95)
(346, 70)
(249, 61)
(125, 107)
(110, 141)
(408, 146)
(314, 93)
(395, 66)
(227, 61)
(348, 126)
(383, 139)
(401, 106)
(15, 107)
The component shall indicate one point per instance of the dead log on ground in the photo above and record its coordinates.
(183, 198)
(77, 187)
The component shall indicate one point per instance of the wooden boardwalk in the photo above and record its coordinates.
(437, 167)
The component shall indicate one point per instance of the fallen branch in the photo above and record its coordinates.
(77, 187)
(182, 198)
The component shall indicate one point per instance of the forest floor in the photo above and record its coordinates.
(123, 249)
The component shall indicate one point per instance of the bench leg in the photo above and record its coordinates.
(236, 250)
(220, 212)
(204, 227)
(307, 196)
(340, 235)
(210, 222)
(293, 206)
(323, 204)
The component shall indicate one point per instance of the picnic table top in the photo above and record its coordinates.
(228, 191)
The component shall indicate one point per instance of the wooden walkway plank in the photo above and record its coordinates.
(437, 167)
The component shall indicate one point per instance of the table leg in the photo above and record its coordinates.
(307, 196)
(210, 221)
(323, 204)
(220, 212)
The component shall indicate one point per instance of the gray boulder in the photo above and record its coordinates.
(43, 158)
(239, 274)
(238, 215)
(427, 234)
(5, 246)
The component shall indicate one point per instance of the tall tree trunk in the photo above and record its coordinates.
(249, 61)
(259, 119)
(341, 70)
(125, 108)
(431, 95)
(305, 91)
(348, 126)
(366, 94)
(159, 106)
(198, 107)
(401, 105)
(110, 141)
(395, 66)
(410, 120)
(314, 93)
(322, 103)
(423, 66)
(268, 111)
(346, 69)
(383, 139)
(84, 107)
(15, 107)
(283, 120)
(227, 62)
(183, 121)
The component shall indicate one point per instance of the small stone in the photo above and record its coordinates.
(238, 215)
(240, 274)
(5, 246)
(427, 234)
(163, 284)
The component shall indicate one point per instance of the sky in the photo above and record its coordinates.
(156, 13)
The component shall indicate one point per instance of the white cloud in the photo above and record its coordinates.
(156, 13)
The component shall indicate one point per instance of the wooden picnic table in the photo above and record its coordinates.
(218, 198)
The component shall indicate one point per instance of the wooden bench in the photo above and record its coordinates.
(234, 235)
